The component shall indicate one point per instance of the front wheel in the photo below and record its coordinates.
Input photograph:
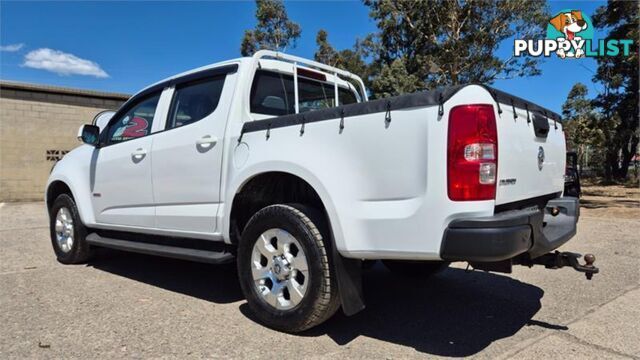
(68, 232)
(285, 269)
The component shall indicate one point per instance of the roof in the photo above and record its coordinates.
(49, 89)
(193, 71)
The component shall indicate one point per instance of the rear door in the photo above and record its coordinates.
(530, 163)
(187, 155)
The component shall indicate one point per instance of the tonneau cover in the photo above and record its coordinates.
(423, 98)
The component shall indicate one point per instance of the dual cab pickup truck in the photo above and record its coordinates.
(283, 165)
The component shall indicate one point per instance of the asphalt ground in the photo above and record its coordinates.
(128, 305)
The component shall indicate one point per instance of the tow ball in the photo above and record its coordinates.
(557, 260)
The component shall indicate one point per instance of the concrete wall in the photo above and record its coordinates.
(38, 125)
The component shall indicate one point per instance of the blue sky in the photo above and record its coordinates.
(124, 46)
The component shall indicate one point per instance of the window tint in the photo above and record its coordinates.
(134, 123)
(273, 94)
(346, 96)
(314, 95)
(195, 101)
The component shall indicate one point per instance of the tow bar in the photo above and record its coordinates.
(557, 260)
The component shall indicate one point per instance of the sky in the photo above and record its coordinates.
(125, 46)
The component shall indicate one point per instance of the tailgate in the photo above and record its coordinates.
(530, 163)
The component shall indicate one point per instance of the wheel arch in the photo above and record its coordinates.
(55, 189)
(265, 188)
(62, 185)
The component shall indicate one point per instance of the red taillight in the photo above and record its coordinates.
(472, 153)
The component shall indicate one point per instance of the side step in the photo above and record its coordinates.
(205, 256)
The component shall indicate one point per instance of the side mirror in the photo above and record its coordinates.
(89, 134)
(102, 119)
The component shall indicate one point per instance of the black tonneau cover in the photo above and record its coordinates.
(423, 98)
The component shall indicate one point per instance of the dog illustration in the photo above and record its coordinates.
(569, 23)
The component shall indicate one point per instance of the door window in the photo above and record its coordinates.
(135, 123)
(195, 101)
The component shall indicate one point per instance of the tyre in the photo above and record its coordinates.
(284, 267)
(415, 269)
(67, 232)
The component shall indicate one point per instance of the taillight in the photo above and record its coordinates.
(472, 153)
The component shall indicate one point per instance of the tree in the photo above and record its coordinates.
(394, 80)
(347, 59)
(619, 77)
(444, 42)
(274, 30)
(325, 54)
(581, 125)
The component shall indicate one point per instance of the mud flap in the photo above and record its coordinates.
(348, 272)
(349, 276)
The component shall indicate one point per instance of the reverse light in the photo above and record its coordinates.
(487, 173)
(472, 153)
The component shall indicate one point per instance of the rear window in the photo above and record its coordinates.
(195, 101)
(272, 93)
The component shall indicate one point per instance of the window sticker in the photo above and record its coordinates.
(137, 127)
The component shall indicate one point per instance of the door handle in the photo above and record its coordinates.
(207, 141)
(139, 154)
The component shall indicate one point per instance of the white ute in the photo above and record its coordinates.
(284, 164)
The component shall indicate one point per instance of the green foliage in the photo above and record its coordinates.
(347, 59)
(395, 79)
(325, 54)
(582, 126)
(444, 42)
(618, 102)
(274, 30)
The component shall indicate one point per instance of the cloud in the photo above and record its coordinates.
(62, 63)
(11, 47)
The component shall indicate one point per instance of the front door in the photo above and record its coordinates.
(187, 155)
(121, 187)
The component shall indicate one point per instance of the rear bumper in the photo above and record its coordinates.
(508, 234)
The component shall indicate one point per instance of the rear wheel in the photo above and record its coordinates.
(415, 269)
(285, 269)
(67, 232)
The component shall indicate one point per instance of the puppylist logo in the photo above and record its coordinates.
(571, 30)
(570, 34)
